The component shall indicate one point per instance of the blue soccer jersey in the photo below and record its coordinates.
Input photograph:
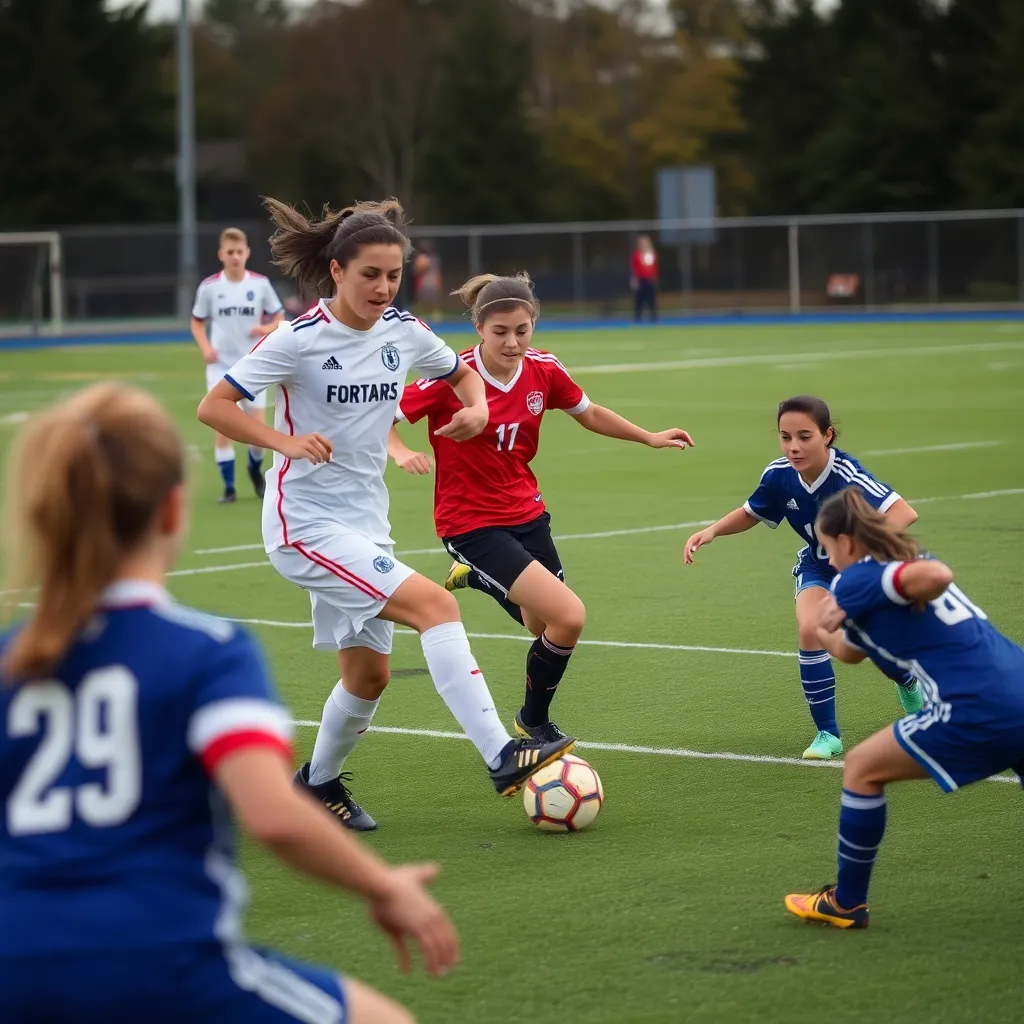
(972, 676)
(114, 835)
(783, 495)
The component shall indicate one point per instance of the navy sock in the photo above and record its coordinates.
(545, 665)
(227, 472)
(818, 679)
(255, 463)
(477, 582)
(861, 827)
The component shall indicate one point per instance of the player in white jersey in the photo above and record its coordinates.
(227, 319)
(340, 370)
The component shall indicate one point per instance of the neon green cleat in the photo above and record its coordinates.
(911, 698)
(824, 748)
(458, 576)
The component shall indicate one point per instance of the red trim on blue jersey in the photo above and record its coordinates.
(285, 466)
(341, 572)
(244, 739)
(896, 579)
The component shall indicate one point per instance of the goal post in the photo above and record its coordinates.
(31, 267)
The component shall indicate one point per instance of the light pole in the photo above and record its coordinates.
(187, 260)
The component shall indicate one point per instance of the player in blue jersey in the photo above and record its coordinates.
(792, 488)
(904, 611)
(130, 726)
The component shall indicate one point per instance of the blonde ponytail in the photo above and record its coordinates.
(84, 483)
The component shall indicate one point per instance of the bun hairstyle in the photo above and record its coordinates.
(848, 513)
(304, 248)
(85, 483)
(487, 294)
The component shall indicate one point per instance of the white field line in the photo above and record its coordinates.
(633, 531)
(626, 748)
(800, 358)
(527, 639)
(961, 446)
(438, 550)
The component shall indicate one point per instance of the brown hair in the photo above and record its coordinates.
(84, 483)
(814, 407)
(304, 248)
(233, 235)
(498, 294)
(849, 513)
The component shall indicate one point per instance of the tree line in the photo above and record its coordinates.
(494, 111)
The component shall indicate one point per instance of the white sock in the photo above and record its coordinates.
(462, 687)
(346, 717)
(256, 454)
(224, 454)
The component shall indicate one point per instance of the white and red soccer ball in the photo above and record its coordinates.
(565, 796)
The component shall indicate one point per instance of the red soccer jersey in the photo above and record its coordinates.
(487, 481)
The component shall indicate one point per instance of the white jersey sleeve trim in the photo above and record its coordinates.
(222, 718)
(238, 387)
(580, 407)
(751, 512)
(889, 586)
(889, 502)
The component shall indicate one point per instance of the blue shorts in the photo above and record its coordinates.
(957, 753)
(193, 984)
(808, 575)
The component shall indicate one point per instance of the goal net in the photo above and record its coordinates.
(31, 282)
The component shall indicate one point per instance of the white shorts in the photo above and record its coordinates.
(349, 580)
(215, 373)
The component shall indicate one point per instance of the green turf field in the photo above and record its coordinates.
(670, 907)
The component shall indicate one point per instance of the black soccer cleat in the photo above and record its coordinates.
(259, 483)
(335, 796)
(524, 758)
(546, 733)
(229, 497)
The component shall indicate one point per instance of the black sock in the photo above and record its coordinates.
(545, 665)
(477, 582)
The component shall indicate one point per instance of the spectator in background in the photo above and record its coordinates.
(643, 278)
(426, 281)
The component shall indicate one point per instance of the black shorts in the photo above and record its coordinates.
(501, 553)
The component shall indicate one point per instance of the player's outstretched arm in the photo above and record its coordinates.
(899, 515)
(219, 409)
(257, 783)
(471, 419)
(737, 521)
(599, 420)
(922, 580)
(416, 463)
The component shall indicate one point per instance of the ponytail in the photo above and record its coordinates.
(848, 513)
(304, 248)
(84, 484)
(498, 295)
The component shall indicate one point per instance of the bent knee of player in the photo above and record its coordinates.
(569, 619)
(807, 633)
(421, 604)
(861, 771)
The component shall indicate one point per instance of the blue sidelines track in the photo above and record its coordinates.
(459, 326)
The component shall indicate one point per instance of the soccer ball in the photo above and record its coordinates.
(565, 796)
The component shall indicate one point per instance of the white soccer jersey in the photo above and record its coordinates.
(231, 309)
(344, 384)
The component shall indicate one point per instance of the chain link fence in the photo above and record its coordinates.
(737, 265)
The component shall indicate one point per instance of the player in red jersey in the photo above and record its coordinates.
(487, 508)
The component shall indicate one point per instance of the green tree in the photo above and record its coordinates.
(485, 160)
(88, 127)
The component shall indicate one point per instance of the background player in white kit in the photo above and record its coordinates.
(226, 321)
(340, 369)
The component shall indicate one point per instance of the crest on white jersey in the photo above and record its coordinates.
(390, 358)
(383, 564)
(535, 402)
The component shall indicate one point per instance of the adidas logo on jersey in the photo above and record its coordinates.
(792, 504)
(331, 364)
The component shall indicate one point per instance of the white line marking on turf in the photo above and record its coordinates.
(565, 536)
(934, 448)
(801, 358)
(527, 639)
(626, 748)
